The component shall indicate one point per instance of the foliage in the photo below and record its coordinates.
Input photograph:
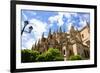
(41, 57)
(29, 55)
(34, 56)
(76, 57)
(59, 58)
(50, 55)
(54, 52)
(55, 55)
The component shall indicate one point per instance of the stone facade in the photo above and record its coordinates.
(76, 42)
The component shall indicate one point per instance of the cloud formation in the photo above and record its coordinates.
(38, 29)
(51, 20)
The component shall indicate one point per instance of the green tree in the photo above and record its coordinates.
(76, 57)
(55, 54)
(29, 55)
(34, 55)
(50, 55)
(41, 57)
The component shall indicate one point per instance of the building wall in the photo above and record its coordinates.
(75, 49)
(73, 43)
(83, 49)
(85, 35)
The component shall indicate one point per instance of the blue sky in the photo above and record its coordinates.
(42, 21)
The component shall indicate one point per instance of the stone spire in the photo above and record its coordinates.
(72, 28)
(88, 26)
(64, 30)
(32, 47)
(60, 29)
(57, 30)
(43, 35)
(73, 32)
(38, 44)
(35, 45)
(49, 34)
(78, 35)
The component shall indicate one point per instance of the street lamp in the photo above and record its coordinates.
(25, 24)
(30, 29)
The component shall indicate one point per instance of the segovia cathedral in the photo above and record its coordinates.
(74, 42)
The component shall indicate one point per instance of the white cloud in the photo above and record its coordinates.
(82, 20)
(30, 43)
(28, 39)
(60, 19)
(67, 15)
(57, 18)
(69, 26)
(52, 19)
(38, 27)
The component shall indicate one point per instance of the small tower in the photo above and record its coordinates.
(49, 34)
(38, 44)
(88, 26)
(32, 47)
(60, 29)
(35, 45)
(72, 31)
(78, 36)
(64, 30)
(50, 31)
(57, 30)
(43, 35)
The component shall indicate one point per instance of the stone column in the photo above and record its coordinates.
(75, 49)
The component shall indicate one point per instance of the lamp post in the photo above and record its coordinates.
(30, 29)
(25, 24)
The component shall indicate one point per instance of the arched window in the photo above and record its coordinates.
(82, 35)
(64, 52)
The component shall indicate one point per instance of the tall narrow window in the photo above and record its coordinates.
(64, 52)
(82, 35)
